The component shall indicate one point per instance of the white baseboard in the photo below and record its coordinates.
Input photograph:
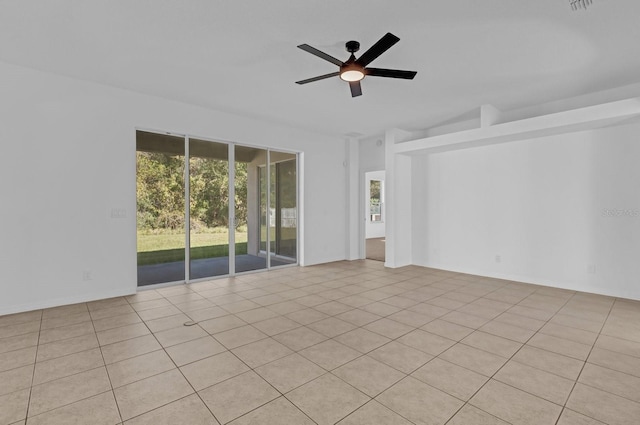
(571, 286)
(326, 260)
(397, 265)
(56, 302)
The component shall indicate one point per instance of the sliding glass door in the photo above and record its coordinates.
(160, 191)
(209, 209)
(279, 208)
(248, 211)
(283, 200)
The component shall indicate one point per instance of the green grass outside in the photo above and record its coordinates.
(157, 242)
(167, 247)
(171, 255)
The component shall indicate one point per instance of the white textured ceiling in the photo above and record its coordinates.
(241, 56)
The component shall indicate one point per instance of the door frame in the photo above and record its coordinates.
(362, 209)
(231, 212)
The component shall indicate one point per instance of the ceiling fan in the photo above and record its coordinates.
(354, 70)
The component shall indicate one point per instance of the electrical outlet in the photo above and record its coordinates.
(118, 213)
(498, 259)
(86, 275)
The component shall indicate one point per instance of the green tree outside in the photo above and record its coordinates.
(160, 205)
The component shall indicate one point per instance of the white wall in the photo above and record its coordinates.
(68, 159)
(399, 196)
(371, 157)
(374, 229)
(540, 206)
(352, 231)
(372, 154)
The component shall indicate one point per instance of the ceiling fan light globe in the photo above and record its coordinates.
(352, 75)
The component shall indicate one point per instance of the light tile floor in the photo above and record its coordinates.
(348, 343)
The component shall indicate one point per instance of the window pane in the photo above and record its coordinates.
(208, 208)
(375, 200)
(160, 208)
(284, 208)
(250, 201)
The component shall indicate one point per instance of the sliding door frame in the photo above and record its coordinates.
(268, 224)
(187, 211)
(231, 207)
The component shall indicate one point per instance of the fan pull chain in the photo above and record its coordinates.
(579, 4)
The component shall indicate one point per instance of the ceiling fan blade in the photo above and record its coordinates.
(320, 54)
(356, 88)
(377, 49)
(320, 77)
(390, 73)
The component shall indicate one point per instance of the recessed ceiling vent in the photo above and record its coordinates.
(579, 4)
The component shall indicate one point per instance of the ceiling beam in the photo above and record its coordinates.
(587, 118)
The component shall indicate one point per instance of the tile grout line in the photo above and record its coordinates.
(225, 380)
(113, 394)
(177, 368)
(415, 328)
(564, 406)
(295, 352)
(467, 402)
(359, 307)
(365, 354)
(73, 374)
(33, 375)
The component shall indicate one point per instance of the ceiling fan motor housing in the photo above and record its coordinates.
(352, 46)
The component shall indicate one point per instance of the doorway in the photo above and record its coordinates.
(202, 208)
(375, 216)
